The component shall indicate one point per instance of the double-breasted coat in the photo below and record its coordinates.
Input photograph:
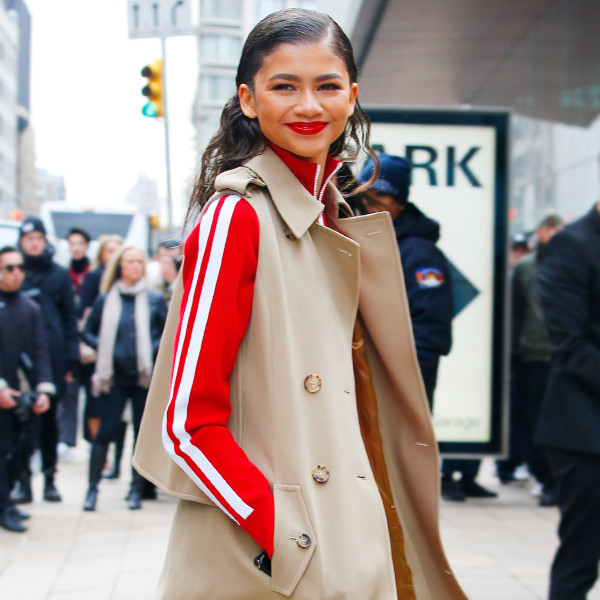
(311, 282)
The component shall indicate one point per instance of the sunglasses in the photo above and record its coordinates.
(11, 268)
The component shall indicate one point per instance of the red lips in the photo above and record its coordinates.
(307, 128)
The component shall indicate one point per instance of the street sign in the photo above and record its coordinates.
(460, 179)
(159, 18)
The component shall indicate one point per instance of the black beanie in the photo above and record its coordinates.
(32, 224)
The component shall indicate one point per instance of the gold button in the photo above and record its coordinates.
(303, 541)
(312, 383)
(320, 474)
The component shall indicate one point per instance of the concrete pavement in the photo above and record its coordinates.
(500, 549)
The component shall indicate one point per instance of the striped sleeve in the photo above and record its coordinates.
(219, 269)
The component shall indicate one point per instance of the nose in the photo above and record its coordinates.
(308, 104)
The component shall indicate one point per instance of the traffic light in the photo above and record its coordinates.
(153, 90)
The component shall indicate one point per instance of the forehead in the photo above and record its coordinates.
(132, 254)
(76, 237)
(33, 235)
(305, 60)
(11, 257)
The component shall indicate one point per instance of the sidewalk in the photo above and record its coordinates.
(500, 549)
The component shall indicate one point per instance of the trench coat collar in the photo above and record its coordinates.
(297, 207)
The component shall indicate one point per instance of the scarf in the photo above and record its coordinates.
(109, 324)
(77, 271)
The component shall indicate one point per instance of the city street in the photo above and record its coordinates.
(500, 549)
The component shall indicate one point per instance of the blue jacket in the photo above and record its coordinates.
(428, 284)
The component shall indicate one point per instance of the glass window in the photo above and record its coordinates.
(222, 9)
(217, 88)
(266, 7)
(221, 47)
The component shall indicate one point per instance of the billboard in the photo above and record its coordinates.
(460, 179)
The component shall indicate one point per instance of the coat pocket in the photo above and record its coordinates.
(294, 541)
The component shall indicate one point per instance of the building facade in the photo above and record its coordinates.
(9, 47)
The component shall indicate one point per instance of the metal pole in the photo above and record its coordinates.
(166, 122)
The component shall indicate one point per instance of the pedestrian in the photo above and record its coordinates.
(67, 414)
(569, 421)
(299, 472)
(532, 352)
(25, 379)
(166, 267)
(49, 284)
(79, 265)
(90, 289)
(429, 291)
(124, 327)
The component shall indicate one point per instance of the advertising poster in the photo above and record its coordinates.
(460, 179)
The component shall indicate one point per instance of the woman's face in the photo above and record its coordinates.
(132, 266)
(302, 99)
(109, 249)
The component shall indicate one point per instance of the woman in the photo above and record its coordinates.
(290, 484)
(125, 327)
(108, 245)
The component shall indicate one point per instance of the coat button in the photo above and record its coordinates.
(320, 474)
(303, 541)
(312, 383)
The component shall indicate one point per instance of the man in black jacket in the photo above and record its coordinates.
(569, 425)
(429, 291)
(24, 361)
(50, 286)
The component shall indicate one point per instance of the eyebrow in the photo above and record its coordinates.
(290, 77)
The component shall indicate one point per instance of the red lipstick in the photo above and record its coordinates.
(307, 128)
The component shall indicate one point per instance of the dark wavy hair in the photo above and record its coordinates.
(239, 138)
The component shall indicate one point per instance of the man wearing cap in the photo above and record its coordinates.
(429, 291)
(49, 284)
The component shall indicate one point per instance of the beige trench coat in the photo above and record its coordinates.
(310, 282)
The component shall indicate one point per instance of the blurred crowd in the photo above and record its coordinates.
(81, 335)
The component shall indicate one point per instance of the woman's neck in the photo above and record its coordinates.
(313, 176)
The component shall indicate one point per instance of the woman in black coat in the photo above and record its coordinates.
(124, 326)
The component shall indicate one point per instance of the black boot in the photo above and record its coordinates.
(115, 471)
(22, 492)
(11, 521)
(97, 459)
(50, 492)
(134, 498)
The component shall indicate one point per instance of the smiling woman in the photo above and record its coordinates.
(305, 463)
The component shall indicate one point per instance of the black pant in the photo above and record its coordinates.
(48, 425)
(15, 449)
(112, 406)
(575, 565)
(518, 444)
(534, 380)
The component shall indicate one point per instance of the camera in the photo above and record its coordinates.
(23, 409)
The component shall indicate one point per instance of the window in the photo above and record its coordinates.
(266, 7)
(222, 9)
(221, 47)
(217, 88)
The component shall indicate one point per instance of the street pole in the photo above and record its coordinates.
(166, 122)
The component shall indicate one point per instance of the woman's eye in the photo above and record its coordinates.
(283, 86)
(330, 86)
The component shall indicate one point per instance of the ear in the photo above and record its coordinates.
(353, 95)
(247, 104)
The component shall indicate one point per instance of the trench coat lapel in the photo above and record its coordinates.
(296, 206)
